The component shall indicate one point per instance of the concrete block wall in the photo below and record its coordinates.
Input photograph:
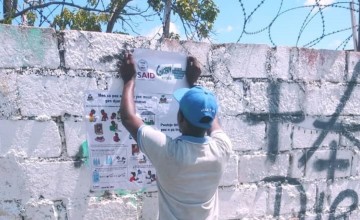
(292, 114)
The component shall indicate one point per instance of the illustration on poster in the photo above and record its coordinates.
(114, 126)
(135, 149)
(116, 137)
(121, 160)
(92, 117)
(151, 177)
(104, 115)
(133, 177)
(163, 99)
(148, 117)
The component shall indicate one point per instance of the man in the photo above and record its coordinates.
(188, 168)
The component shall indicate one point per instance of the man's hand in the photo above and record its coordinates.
(127, 68)
(193, 70)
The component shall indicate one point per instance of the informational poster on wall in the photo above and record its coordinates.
(116, 161)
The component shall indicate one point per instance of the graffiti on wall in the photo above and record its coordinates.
(331, 165)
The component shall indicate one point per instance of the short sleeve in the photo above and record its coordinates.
(152, 143)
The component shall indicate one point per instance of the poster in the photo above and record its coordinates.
(115, 159)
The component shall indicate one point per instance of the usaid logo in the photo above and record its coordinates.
(143, 72)
(142, 65)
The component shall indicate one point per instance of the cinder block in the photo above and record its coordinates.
(114, 209)
(278, 137)
(247, 201)
(297, 170)
(240, 60)
(279, 62)
(353, 63)
(354, 214)
(33, 138)
(253, 168)
(324, 65)
(293, 197)
(350, 134)
(351, 100)
(75, 133)
(244, 135)
(355, 164)
(345, 192)
(40, 209)
(340, 194)
(324, 99)
(150, 206)
(91, 50)
(276, 97)
(328, 164)
(306, 135)
(218, 59)
(291, 98)
(8, 93)
(10, 210)
(54, 180)
(28, 47)
(260, 98)
(231, 99)
(53, 96)
(13, 184)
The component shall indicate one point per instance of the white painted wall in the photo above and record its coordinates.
(292, 114)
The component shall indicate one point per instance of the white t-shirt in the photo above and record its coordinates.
(188, 171)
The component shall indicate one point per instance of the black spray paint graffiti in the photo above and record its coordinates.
(331, 125)
(280, 180)
(273, 119)
(331, 165)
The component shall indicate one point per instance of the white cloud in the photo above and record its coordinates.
(158, 31)
(334, 44)
(321, 2)
(229, 28)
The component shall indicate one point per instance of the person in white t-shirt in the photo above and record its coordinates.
(188, 168)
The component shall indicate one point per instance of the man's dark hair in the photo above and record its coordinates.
(196, 131)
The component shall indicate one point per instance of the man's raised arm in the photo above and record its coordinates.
(129, 119)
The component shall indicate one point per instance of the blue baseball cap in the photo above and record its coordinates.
(198, 105)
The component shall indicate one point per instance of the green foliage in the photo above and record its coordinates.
(157, 5)
(31, 18)
(92, 2)
(174, 36)
(79, 20)
(199, 14)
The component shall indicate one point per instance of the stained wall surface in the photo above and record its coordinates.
(293, 115)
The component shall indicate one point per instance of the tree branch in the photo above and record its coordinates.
(114, 16)
(34, 7)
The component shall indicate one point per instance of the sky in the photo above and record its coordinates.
(285, 29)
(287, 26)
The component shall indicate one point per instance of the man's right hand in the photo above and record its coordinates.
(127, 67)
(193, 70)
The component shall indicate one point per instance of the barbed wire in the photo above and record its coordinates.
(315, 10)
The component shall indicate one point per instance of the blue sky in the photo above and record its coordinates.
(285, 29)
